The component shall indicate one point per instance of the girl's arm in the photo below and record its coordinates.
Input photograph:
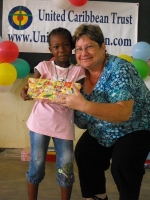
(81, 81)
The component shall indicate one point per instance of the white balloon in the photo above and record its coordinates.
(4, 89)
(147, 81)
(62, 4)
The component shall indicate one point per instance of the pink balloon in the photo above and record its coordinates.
(78, 2)
(8, 51)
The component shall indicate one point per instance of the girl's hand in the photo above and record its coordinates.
(24, 90)
(24, 94)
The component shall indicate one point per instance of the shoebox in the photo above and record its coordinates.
(50, 157)
(25, 154)
(147, 162)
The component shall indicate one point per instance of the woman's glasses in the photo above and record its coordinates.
(78, 50)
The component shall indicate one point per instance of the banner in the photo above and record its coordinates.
(27, 23)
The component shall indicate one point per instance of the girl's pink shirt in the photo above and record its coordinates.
(52, 119)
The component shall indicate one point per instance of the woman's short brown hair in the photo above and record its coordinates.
(94, 32)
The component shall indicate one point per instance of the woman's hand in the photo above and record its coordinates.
(75, 101)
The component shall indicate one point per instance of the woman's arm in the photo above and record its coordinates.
(110, 112)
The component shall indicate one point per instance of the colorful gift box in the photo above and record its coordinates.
(47, 89)
(50, 156)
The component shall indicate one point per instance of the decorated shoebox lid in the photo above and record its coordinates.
(47, 89)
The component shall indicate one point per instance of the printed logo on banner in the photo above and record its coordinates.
(20, 17)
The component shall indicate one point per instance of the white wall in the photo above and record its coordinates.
(14, 113)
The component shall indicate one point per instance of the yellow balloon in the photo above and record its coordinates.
(126, 57)
(8, 74)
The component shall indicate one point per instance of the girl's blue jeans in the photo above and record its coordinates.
(64, 159)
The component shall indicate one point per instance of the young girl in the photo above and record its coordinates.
(49, 120)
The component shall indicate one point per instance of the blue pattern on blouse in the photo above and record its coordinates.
(119, 82)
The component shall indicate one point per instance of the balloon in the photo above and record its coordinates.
(142, 67)
(8, 51)
(5, 88)
(126, 57)
(62, 4)
(78, 2)
(141, 50)
(8, 74)
(22, 68)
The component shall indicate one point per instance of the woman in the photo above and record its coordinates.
(114, 107)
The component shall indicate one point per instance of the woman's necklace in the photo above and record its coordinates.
(94, 81)
(64, 80)
(89, 77)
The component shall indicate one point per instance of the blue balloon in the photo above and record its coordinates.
(141, 50)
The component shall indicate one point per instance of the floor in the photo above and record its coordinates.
(13, 180)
